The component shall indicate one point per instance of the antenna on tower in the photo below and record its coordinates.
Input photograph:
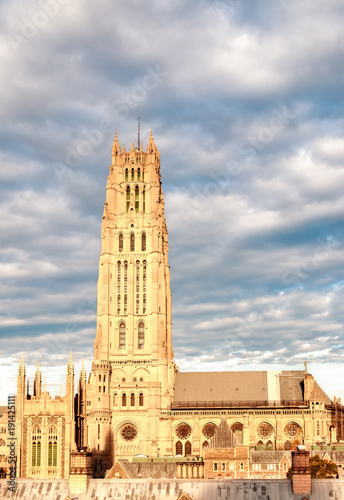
(138, 135)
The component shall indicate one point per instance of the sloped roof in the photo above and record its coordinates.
(154, 470)
(220, 386)
(268, 457)
(318, 394)
(223, 437)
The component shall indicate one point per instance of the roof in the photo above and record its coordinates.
(268, 457)
(223, 437)
(245, 386)
(319, 395)
(155, 470)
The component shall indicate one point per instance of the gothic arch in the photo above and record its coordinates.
(142, 373)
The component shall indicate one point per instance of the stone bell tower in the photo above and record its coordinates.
(133, 370)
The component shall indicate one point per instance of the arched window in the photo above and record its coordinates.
(141, 336)
(205, 444)
(143, 242)
(120, 242)
(126, 174)
(115, 399)
(124, 400)
(137, 303)
(125, 304)
(270, 445)
(143, 198)
(98, 431)
(132, 399)
(52, 447)
(138, 173)
(137, 199)
(318, 428)
(188, 448)
(128, 198)
(179, 448)
(144, 304)
(143, 175)
(132, 174)
(132, 242)
(122, 336)
(99, 377)
(287, 445)
(118, 277)
(141, 399)
(118, 304)
(36, 447)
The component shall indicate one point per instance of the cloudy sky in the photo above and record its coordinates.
(246, 103)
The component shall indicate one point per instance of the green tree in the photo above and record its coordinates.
(320, 468)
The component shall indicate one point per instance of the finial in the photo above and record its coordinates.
(132, 147)
(70, 367)
(151, 134)
(21, 368)
(115, 135)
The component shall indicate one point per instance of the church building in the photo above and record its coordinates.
(135, 402)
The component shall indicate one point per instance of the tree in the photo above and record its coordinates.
(320, 468)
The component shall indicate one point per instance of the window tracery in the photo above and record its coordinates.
(128, 432)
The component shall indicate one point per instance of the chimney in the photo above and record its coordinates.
(301, 472)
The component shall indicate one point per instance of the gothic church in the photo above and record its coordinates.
(135, 401)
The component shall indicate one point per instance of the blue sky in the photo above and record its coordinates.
(245, 99)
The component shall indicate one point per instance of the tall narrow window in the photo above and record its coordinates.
(122, 336)
(143, 242)
(141, 399)
(188, 448)
(125, 304)
(143, 175)
(118, 277)
(143, 199)
(125, 277)
(132, 399)
(137, 276)
(144, 304)
(138, 174)
(132, 174)
(128, 197)
(52, 447)
(98, 431)
(137, 303)
(36, 447)
(115, 399)
(120, 242)
(144, 275)
(137, 199)
(126, 175)
(132, 242)
(118, 304)
(141, 336)
(179, 448)
(124, 400)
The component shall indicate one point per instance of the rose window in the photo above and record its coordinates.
(128, 432)
(183, 431)
(264, 430)
(209, 430)
(293, 430)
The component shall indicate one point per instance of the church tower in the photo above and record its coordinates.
(133, 370)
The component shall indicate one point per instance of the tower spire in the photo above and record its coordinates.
(138, 135)
(21, 368)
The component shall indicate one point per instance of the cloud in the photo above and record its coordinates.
(246, 107)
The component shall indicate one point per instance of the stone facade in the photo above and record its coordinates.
(135, 401)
